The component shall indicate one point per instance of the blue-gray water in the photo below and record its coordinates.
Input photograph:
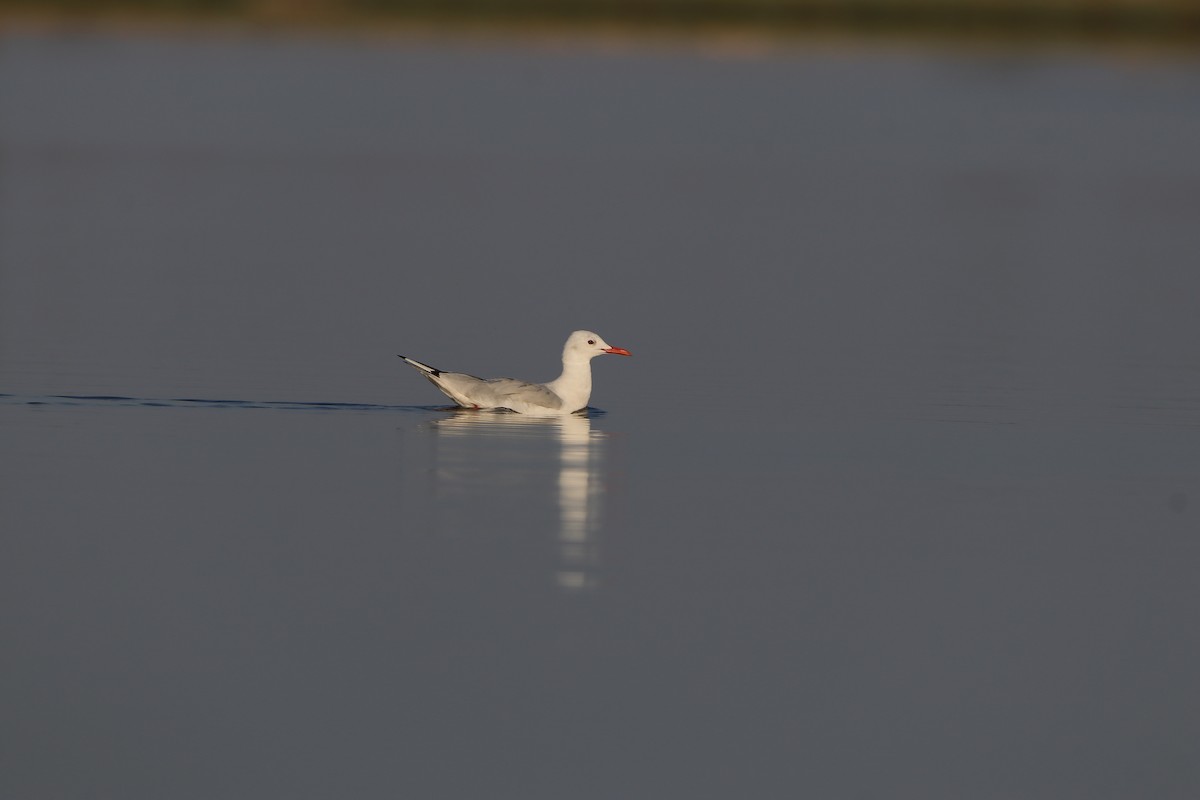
(898, 496)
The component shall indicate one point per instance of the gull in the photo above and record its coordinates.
(565, 394)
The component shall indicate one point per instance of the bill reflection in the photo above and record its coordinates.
(490, 463)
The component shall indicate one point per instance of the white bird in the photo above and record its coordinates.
(565, 394)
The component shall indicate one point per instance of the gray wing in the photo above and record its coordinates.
(509, 390)
(469, 391)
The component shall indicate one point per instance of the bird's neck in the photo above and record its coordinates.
(574, 386)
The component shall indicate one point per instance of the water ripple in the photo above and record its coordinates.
(198, 402)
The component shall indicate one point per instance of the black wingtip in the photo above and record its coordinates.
(428, 370)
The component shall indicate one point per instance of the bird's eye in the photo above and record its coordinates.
(591, 341)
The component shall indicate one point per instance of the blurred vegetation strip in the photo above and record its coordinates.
(1177, 20)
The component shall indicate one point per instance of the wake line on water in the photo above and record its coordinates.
(197, 402)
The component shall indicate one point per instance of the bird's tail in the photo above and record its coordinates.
(428, 370)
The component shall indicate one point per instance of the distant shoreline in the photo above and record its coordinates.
(1164, 22)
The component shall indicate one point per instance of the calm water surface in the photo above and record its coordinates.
(897, 498)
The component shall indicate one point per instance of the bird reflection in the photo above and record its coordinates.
(475, 466)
